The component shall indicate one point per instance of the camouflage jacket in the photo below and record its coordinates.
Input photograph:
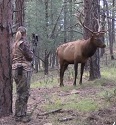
(21, 55)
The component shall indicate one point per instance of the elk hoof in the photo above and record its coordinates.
(80, 83)
(61, 85)
(74, 84)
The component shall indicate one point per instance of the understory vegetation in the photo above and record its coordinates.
(80, 103)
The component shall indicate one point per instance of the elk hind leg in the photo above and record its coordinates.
(63, 67)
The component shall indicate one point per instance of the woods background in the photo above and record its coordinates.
(49, 24)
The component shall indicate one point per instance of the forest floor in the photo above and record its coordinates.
(92, 103)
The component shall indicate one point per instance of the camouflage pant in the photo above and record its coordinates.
(22, 90)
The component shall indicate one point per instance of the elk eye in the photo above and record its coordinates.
(99, 40)
(95, 38)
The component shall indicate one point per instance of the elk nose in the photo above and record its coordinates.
(104, 46)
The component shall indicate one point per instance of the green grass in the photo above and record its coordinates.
(83, 105)
(45, 82)
(70, 102)
(109, 73)
(87, 105)
(40, 81)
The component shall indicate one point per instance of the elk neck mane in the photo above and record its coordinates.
(89, 48)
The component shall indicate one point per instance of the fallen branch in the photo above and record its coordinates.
(66, 119)
(50, 112)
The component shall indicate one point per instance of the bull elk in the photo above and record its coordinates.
(78, 52)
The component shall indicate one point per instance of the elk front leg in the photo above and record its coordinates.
(75, 68)
(82, 69)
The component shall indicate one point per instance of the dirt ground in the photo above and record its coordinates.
(105, 116)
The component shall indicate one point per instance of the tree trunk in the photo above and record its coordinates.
(46, 17)
(110, 30)
(53, 59)
(92, 10)
(71, 20)
(36, 60)
(65, 21)
(56, 60)
(46, 62)
(19, 13)
(113, 24)
(46, 28)
(6, 11)
(103, 28)
(95, 66)
(36, 53)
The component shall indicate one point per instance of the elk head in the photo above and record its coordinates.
(95, 36)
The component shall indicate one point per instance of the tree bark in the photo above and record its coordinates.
(103, 28)
(110, 30)
(71, 20)
(91, 10)
(113, 26)
(35, 51)
(19, 13)
(46, 63)
(53, 59)
(6, 14)
(65, 20)
(46, 27)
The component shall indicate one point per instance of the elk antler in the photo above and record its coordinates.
(98, 22)
(82, 23)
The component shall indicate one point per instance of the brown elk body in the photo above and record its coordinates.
(77, 52)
